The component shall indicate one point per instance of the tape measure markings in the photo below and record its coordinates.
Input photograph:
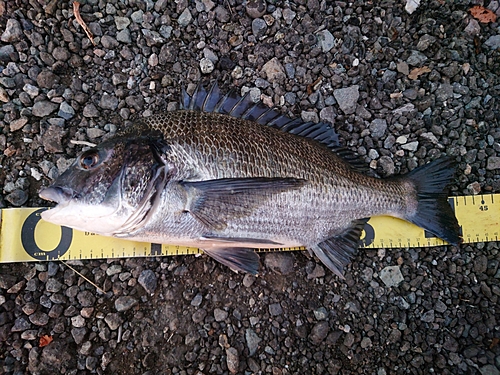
(478, 216)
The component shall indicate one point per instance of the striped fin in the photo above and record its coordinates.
(232, 104)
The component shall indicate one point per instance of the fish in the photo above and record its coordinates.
(230, 176)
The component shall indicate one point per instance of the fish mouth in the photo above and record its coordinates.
(57, 194)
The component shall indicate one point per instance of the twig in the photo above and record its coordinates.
(84, 277)
(83, 143)
(81, 22)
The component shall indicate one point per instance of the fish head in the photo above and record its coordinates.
(109, 189)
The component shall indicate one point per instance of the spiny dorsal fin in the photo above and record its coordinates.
(243, 107)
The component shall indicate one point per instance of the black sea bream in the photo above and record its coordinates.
(229, 176)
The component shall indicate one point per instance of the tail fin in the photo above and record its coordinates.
(433, 211)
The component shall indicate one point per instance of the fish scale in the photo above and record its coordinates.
(211, 178)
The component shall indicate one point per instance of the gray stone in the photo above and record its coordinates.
(109, 42)
(256, 8)
(259, 27)
(288, 15)
(46, 79)
(232, 360)
(473, 28)
(411, 146)
(319, 332)
(43, 108)
(428, 316)
(185, 18)
(425, 42)
(197, 300)
(252, 341)
(137, 16)
(279, 262)
(108, 102)
(123, 36)
(122, 22)
(493, 163)
(378, 127)
(391, 276)
(275, 309)
(309, 116)
(66, 111)
(199, 315)
(347, 98)
(489, 370)
(325, 40)
(206, 66)
(20, 324)
(274, 70)
(493, 42)
(39, 318)
(125, 303)
(13, 31)
(86, 298)
(388, 76)
(416, 58)
(7, 52)
(147, 279)
(78, 334)
(53, 286)
(221, 14)
(387, 165)
(320, 313)
(220, 315)
(113, 320)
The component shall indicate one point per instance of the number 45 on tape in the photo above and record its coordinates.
(24, 237)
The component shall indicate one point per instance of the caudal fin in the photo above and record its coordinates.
(433, 213)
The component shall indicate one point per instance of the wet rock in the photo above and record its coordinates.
(493, 42)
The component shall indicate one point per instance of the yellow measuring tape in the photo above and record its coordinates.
(24, 237)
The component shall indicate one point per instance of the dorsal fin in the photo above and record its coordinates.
(243, 107)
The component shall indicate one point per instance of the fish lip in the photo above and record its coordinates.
(57, 194)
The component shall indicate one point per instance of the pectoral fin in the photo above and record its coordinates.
(214, 202)
(338, 251)
(237, 258)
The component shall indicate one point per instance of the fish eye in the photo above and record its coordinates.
(89, 159)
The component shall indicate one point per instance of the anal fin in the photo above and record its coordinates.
(338, 251)
(237, 258)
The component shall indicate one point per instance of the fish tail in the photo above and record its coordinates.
(433, 212)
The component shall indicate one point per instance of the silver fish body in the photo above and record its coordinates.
(230, 177)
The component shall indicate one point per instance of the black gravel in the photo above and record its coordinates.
(434, 311)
